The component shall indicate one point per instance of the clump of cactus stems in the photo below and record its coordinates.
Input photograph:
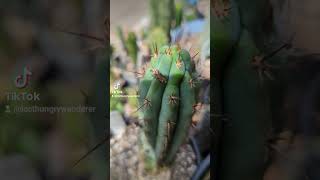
(242, 115)
(167, 100)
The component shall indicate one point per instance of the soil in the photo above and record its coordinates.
(126, 13)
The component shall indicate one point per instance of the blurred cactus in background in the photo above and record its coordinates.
(249, 88)
(162, 14)
(129, 44)
(178, 14)
(132, 47)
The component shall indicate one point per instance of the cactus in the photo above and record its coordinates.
(132, 47)
(178, 14)
(162, 14)
(129, 43)
(250, 123)
(121, 38)
(166, 98)
(241, 87)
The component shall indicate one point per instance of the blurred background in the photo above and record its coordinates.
(64, 68)
(292, 135)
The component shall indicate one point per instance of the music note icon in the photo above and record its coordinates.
(23, 80)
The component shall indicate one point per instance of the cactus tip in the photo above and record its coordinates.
(155, 50)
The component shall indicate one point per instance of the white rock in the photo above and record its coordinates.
(117, 124)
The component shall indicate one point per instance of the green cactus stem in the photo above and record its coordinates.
(225, 34)
(132, 47)
(169, 107)
(244, 101)
(167, 104)
(162, 14)
(121, 38)
(187, 98)
(178, 14)
(152, 102)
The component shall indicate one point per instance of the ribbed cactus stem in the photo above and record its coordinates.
(167, 98)
(238, 36)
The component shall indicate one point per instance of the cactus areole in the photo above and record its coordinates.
(166, 100)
